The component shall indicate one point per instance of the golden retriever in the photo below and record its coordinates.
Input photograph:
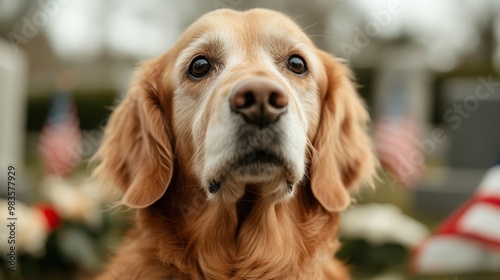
(238, 147)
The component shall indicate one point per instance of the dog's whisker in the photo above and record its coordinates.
(312, 25)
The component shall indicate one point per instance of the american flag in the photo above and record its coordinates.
(397, 136)
(469, 239)
(60, 139)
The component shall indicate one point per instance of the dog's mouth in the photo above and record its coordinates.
(262, 171)
(258, 163)
(259, 156)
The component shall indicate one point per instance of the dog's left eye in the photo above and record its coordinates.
(199, 67)
(297, 65)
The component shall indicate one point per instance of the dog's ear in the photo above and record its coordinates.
(136, 153)
(344, 151)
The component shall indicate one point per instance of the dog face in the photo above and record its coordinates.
(247, 96)
(243, 100)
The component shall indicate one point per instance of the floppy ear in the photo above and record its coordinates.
(344, 152)
(136, 152)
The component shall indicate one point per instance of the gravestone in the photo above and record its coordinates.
(471, 120)
(13, 79)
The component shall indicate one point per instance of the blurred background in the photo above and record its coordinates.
(428, 71)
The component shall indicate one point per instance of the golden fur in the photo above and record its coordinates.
(154, 150)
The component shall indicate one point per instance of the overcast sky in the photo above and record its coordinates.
(447, 29)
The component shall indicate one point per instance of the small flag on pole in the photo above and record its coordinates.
(397, 136)
(469, 239)
(60, 139)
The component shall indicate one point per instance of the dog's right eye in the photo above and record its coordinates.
(199, 67)
(297, 65)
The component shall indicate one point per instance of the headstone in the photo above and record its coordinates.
(405, 62)
(13, 79)
(473, 120)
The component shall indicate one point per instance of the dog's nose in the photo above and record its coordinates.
(259, 101)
